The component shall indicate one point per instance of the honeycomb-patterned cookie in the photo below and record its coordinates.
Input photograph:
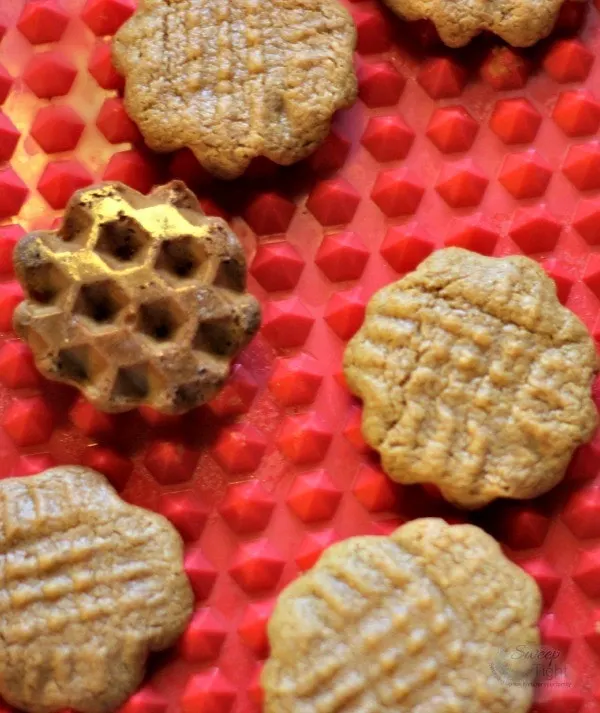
(411, 623)
(474, 377)
(136, 299)
(90, 585)
(236, 79)
(520, 22)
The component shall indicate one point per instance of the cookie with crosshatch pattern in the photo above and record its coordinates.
(90, 585)
(136, 299)
(519, 22)
(237, 79)
(474, 377)
(406, 623)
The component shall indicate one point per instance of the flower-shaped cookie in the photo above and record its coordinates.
(236, 79)
(136, 299)
(520, 22)
(90, 585)
(410, 623)
(474, 377)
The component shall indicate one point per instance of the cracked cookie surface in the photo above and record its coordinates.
(410, 623)
(136, 299)
(90, 585)
(474, 377)
(521, 23)
(236, 79)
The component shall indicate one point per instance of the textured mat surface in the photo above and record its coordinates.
(487, 148)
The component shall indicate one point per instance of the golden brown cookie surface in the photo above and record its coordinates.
(410, 623)
(136, 299)
(473, 377)
(90, 585)
(520, 22)
(235, 79)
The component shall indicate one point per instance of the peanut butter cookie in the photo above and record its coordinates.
(410, 623)
(90, 585)
(520, 22)
(474, 377)
(136, 299)
(235, 79)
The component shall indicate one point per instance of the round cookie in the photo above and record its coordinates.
(136, 299)
(520, 22)
(411, 623)
(474, 377)
(90, 585)
(236, 79)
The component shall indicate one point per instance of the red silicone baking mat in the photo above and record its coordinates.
(488, 148)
